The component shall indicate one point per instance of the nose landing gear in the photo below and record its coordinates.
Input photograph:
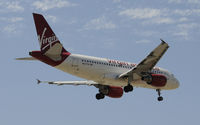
(160, 98)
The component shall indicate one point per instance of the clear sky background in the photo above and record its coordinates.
(117, 29)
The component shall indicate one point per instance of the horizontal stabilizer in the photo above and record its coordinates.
(26, 58)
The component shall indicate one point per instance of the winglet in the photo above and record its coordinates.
(38, 81)
(162, 40)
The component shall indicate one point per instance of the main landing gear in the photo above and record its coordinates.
(128, 88)
(160, 98)
(100, 96)
(103, 90)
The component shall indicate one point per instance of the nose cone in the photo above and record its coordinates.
(177, 82)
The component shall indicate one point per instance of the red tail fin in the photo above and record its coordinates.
(46, 37)
(52, 51)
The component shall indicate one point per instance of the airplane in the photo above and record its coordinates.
(111, 77)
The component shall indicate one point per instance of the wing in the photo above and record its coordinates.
(26, 58)
(149, 62)
(89, 83)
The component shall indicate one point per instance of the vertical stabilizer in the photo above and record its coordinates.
(49, 43)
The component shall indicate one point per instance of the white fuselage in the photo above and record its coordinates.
(106, 71)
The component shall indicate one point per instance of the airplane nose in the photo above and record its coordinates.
(177, 82)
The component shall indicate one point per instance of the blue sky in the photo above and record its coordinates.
(118, 29)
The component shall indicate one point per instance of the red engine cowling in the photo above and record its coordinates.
(158, 80)
(115, 92)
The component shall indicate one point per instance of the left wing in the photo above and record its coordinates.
(89, 83)
(149, 62)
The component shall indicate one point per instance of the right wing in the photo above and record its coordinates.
(152, 59)
(147, 64)
(89, 83)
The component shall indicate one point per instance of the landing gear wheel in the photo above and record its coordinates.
(100, 96)
(160, 98)
(128, 88)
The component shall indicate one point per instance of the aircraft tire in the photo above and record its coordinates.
(160, 98)
(128, 88)
(100, 96)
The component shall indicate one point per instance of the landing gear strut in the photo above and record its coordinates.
(129, 87)
(160, 98)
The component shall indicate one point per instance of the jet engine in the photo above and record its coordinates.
(157, 80)
(115, 92)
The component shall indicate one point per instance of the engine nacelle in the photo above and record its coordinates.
(115, 92)
(158, 80)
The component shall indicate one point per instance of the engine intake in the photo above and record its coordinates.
(158, 80)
